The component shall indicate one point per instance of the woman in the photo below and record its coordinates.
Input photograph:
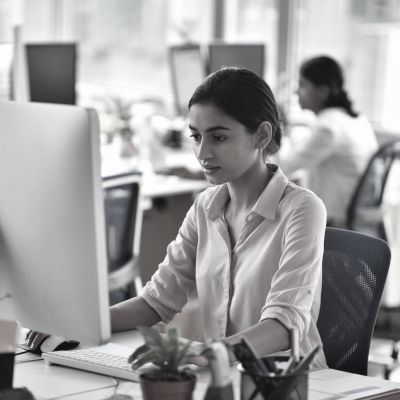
(252, 245)
(341, 141)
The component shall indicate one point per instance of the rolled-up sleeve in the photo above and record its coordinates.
(170, 286)
(297, 281)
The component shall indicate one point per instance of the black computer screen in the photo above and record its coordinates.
(250, 56)
(52, 72)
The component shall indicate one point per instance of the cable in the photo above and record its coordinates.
(22, 352)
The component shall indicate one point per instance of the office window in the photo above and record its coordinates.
(10, 14)
(255, 21)
(124, 43)
(6, 58)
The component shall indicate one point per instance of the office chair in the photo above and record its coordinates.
(123, 221)
(354, 270)
(364, 213)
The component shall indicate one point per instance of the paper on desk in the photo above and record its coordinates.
(391, 219)
(329, 383)
(56, 381)
(26, 357)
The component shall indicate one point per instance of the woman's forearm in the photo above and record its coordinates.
(267, 337)
(132, 313)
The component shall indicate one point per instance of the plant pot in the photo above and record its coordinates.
(154, 389)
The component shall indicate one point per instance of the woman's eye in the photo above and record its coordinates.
(219, 138)
(195, 137)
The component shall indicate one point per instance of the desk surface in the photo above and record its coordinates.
(168, 185)
(50, 382)
(155, 185)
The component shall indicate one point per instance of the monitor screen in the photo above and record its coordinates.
(53, 258)
(52, 72)
(187, 72)
(6, 62)
(250, 56)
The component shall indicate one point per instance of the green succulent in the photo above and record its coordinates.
(165, 351)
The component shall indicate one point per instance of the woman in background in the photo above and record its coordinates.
(341, 141)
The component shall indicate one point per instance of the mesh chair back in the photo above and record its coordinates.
(120, 204)
(364, 212)
(353, 276)
(123, 228)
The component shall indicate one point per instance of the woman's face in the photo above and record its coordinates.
(223, 146)
(311, 96)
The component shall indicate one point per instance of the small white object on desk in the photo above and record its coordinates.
(9, 331)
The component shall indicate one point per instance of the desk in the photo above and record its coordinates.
(50, 382)
(155, 185)
(165, 200)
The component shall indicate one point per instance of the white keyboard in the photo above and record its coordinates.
(109, 359)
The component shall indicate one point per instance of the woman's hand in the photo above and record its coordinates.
(197, 350)
(199, 361)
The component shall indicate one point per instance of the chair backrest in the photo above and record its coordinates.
(364, 213)
(354, 271)
(123, 217)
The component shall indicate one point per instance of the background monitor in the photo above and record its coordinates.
(53, 259)
(187, 72)
(250, 56)
(52, 72)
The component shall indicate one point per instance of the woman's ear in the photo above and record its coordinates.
(264, 134)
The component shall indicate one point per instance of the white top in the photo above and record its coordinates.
(274, 270)
(335, 155)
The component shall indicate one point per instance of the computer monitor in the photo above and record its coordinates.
(187, 72)
(52, 72)
(53, 261)
(250, 56)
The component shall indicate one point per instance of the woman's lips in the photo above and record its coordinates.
(208, 170)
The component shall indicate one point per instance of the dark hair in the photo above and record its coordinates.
(325, 70)
(245, 97)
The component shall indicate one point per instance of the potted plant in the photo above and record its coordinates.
(167, 378)
(117, 121)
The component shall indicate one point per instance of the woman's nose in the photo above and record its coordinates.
(203, 151)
